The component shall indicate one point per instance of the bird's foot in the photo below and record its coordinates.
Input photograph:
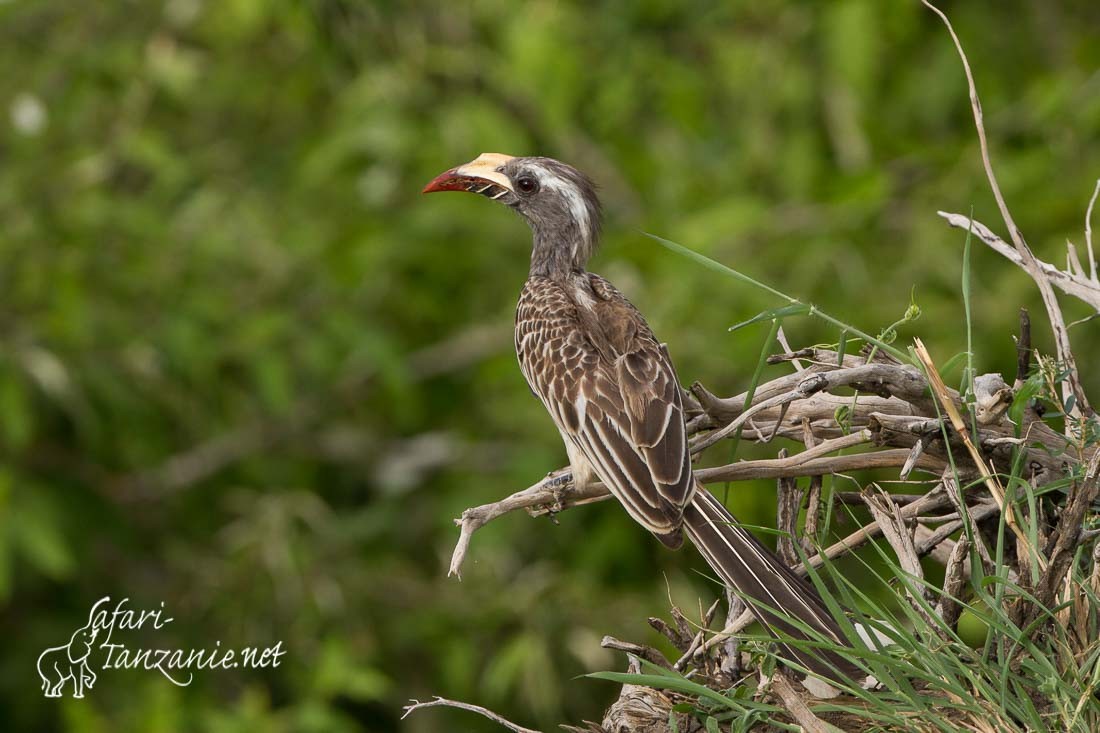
(560, 481)
(557, 484)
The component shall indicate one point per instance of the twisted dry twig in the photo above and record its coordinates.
(441, 701)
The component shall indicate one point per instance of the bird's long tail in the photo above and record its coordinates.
(773, 592)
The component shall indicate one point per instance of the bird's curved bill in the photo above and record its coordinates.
(481, 175)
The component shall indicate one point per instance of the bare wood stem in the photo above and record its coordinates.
(991, 481)
(788, 499)
(798, 708)
(1023, 349)
(949, 607)
(647, 653)
(1088, 233)
(1071, 284)
(440, 701)
(1030, 263)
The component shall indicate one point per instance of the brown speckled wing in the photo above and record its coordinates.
(613, 394)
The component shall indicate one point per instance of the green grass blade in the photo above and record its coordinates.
(812, 309)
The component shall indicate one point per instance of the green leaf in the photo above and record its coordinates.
(1024, 395)
(716, 266)
(661, 682)
(794, 309)
(842, 347)
(813, 310)
(952, 363)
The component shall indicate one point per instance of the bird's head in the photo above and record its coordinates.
(558, 201)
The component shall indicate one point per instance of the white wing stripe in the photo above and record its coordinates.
(626, 497)
(669, 415)
(748, 566)
(704, 503)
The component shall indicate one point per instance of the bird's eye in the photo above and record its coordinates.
(527, 185)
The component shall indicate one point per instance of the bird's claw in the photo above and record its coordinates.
(557, 486)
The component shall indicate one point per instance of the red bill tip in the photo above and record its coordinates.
(447, 181)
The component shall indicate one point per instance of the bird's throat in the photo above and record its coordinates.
(558, 255)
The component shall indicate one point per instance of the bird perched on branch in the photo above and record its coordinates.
(612, 392)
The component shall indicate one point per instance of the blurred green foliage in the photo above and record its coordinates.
(217, 282)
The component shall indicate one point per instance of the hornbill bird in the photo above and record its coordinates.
(609, 386)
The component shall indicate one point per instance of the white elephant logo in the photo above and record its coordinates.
(59, 664)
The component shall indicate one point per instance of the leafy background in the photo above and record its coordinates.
(247, 371)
